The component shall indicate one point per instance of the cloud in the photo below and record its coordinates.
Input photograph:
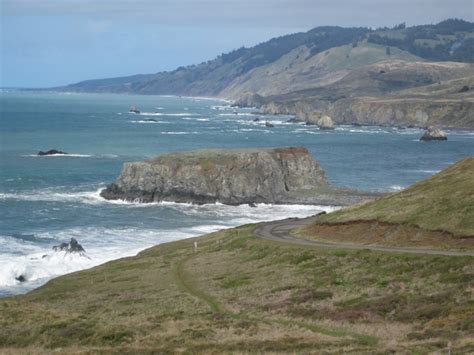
(282, 13)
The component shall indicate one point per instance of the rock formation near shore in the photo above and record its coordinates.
(434, 134)
(51, 152)
(227, 176)
(239, 176)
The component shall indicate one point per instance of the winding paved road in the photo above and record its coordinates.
(280, 231)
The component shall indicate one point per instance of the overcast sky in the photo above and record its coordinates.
(55, 42)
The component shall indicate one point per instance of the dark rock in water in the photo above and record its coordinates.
(268, 124)
(285, 175)
(253, 205)
(256, 119)
(21, 278)
(295, 120)
(134, 109)
(150, 120)
(434, 134)
(51, 152)
(240, 176)
(321, 213)
(72, 247)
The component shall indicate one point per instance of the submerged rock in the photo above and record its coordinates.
(268, 124)
(134, 109)
(239, 176)
(295, 120)
(72, 247)
(51, 152)
(20, 278)
(434, 134)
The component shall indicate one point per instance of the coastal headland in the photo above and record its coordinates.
(269, 290)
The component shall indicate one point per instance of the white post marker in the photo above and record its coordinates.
(195, 246)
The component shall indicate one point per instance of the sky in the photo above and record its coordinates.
(46, 43)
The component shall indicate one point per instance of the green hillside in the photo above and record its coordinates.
(212, 77)
(444, 201)
(240, 294)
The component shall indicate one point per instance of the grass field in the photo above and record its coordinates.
(443, 202)
(238, 293)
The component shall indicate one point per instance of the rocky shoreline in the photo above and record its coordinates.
(236, 176)
(407, 112)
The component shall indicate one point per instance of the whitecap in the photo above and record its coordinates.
(38, 263)
(181, 114)
(144, 121)
(50, 195)
(396, 188)
(179, 133)
(150, 114)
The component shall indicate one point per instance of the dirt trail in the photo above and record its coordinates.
(280, 231)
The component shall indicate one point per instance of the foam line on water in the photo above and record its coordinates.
(38, 263)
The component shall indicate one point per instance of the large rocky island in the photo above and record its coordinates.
(239, 176)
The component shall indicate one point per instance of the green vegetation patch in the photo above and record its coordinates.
(441, 202)
(241, 293)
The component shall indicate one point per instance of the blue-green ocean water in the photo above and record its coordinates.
(47, 200)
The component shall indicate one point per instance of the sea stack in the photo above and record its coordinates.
(326, 122)
(319, 119)
(238, 176)
(434, 134)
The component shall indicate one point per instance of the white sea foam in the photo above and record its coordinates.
(145, 121)
(426, 171)
(221, 107)
(178, 114)
(149, 114)
(38, 263)
(396, 188)
(51, 195)
(180, 132)
(249, 114)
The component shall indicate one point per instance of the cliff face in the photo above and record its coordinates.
(447, 104)
(226, 176)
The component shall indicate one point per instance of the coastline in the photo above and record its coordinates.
(230, 291)
(235, 103)
(58, 264)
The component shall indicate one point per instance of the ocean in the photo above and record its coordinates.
(45, 201)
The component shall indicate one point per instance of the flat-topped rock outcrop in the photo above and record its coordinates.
(228, 176)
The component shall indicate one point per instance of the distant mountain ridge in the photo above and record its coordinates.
(343, 72)
(212, 77)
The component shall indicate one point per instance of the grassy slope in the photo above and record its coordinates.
(299, 70)
(240, 293)
(444, 201)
